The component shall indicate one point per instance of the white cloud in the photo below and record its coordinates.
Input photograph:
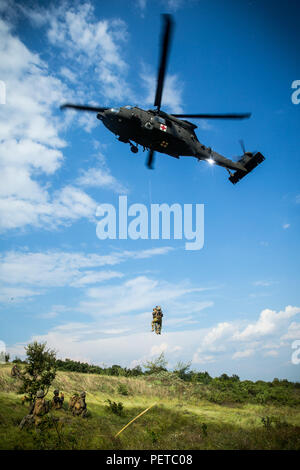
(216, 333)
(268, 322)
(100, 177)
(30, 144)
(157, 350)
(58, 268)
(293, 332)
(96, 46)
(136, 294)
(242, 354)
(128, 340)
(202, 359)
(16, 294)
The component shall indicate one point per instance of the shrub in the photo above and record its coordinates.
(116, 408)
(122, 389)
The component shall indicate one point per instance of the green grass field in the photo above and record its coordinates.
(179, 420)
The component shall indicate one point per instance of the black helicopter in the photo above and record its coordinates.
(166, 133)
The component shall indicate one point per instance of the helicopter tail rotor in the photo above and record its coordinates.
(242, 145)
(249, 161)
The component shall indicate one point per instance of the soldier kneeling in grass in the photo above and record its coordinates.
(38, 409)
(79, 408)
(57, 401)
(72, 401)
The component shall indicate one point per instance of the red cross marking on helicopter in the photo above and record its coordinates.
(163, 127)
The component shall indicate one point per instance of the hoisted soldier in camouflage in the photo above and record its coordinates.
(79, 408)
(154, 318)
(157, 319)
(57, 401)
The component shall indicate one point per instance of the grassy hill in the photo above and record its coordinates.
(185, 415)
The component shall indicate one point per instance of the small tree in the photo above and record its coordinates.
(181, 369)
(40, 369)
(157, 365)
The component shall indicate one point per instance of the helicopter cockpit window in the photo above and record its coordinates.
(159, 119)
(114, 110)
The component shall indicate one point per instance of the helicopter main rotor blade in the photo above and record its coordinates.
(80, 107)
(150, 159)
(165, 49)
(214, 116)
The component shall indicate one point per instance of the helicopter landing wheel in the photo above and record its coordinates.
(134, 149)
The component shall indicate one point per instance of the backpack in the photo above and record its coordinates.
(39, 408)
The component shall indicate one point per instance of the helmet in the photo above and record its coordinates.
(40, 394)
(82, 394)
(158, 307)
(56, 392)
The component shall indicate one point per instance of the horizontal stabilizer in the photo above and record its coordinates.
(249, 161)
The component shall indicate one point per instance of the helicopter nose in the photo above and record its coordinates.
(109, 114)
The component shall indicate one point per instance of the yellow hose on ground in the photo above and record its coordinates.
(145, 411)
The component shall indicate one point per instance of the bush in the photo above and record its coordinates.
(122, 389)
(116, 408)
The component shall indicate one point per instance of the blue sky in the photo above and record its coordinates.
(231, 307)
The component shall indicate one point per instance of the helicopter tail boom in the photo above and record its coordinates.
(249, 161)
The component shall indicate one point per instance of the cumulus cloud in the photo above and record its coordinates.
(127, 340)
(268, 322)
(100, 177)
(31, 146)
(293, 332)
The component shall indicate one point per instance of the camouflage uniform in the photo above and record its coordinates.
(38, 409)
(79, 408)
(154, 318)
(157, 319)
(72, 401)
(15, 371)
(57, 401)
(41, 408)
